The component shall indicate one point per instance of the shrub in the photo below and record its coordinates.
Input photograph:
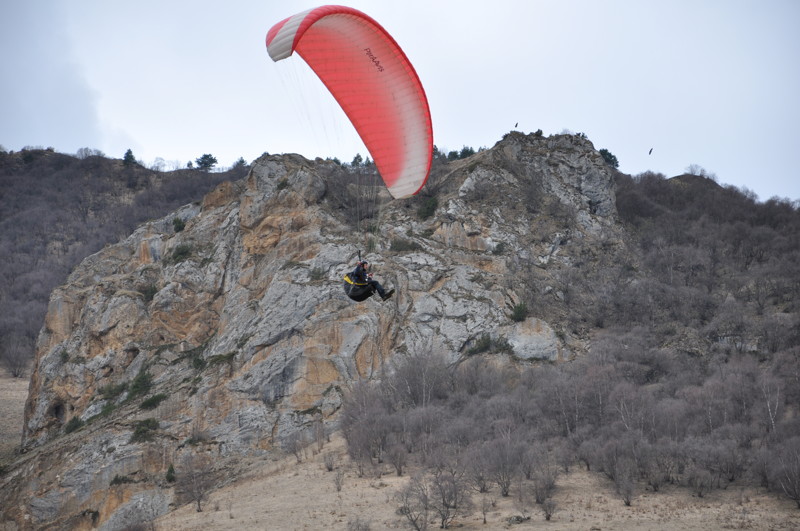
(119, 480)
(610, 159)
(243, 340)
(198, 362)
(401, 245)
(222, 358)
(486, 343)
(549, 507)
(144, 430)
(427, 208)
(501, 344)
(178, 224)
(107, 410)
(148, 292)
(181, 253)
(206, 162)
(170, 477)
(357, 524)
(483, 344)
(153, 401)
(317, 274)
(140, 385)
(519, 313)
(73, 424)
(111, 391)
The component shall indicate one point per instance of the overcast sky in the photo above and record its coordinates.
(714, 83)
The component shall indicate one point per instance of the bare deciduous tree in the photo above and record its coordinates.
(477, 470)
(296, 444)
(449, 494)
(319, 431)
(486, 505)
(522, 498)
(650, 464)
(545, 473)
(502, 457)
(338, 480)
(549, 508)
(786, 469)
(397, 457)
(772, 399)
(699, 480)
(420, 379)
(195, 479)
(15, 354)
(625, 479)
(330, 461)
(415, 502)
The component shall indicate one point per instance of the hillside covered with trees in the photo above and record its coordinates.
(56, 209)
(675, 322)
(692, 378)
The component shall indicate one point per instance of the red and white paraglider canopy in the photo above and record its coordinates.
(374, 83)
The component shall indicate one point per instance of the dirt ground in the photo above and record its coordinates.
(13, 392)
(284, 495)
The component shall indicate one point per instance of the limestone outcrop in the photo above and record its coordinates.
(233, 335)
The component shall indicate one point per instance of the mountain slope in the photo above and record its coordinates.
(240, 323)
(232, 337)
(56, 209)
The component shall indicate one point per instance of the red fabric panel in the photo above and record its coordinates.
(376, 86)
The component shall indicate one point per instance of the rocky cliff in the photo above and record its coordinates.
(232, 336)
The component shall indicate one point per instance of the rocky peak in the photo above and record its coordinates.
(235, 335)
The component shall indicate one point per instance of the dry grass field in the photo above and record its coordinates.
(284, 495)
(13, 392)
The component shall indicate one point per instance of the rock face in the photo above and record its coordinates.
(235, 336)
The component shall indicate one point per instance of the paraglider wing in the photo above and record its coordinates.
(374, 83)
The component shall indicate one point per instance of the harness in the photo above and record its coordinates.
(358, 291)
(352, 282)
